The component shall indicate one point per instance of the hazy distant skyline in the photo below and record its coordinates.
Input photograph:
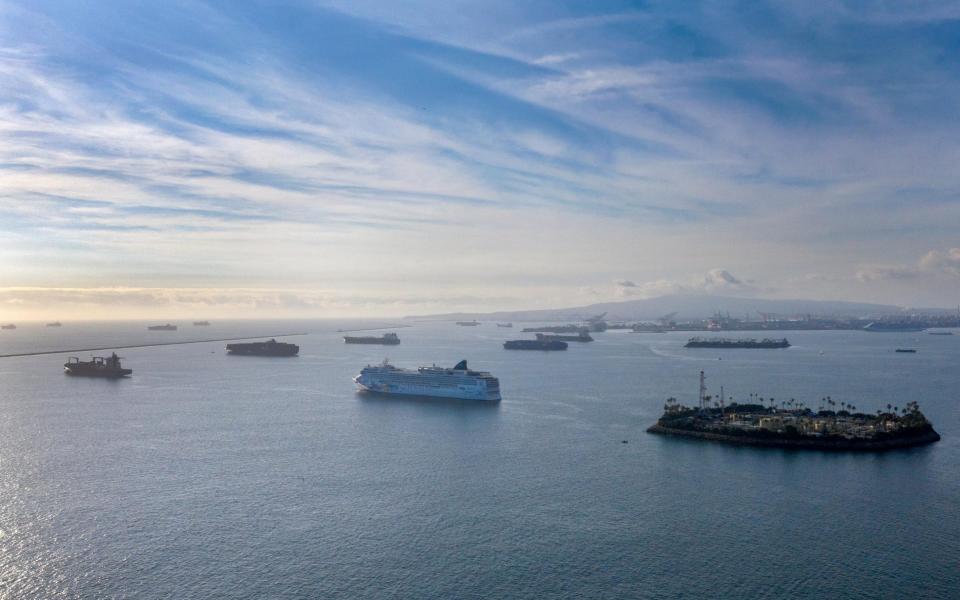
(376, 158)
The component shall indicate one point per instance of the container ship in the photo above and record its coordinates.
(167, 327)
(55, 324)
(554, 329)
(100, 366)
(201, 323)
(894, 327)
(468, 323)
(535, 345)
(387, 339)
(269, 348)
(739, 343)
(441, 382)
(583, 336)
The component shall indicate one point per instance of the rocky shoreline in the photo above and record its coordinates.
(845, 445)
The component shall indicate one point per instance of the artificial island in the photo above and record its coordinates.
(792, 424)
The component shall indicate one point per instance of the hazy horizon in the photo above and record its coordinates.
(363, 159)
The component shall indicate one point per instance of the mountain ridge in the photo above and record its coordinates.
(688, 306)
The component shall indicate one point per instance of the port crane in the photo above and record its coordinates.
(665, 319)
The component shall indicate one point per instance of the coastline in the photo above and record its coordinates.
(923, 439)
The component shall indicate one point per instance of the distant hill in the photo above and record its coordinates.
(687, 307)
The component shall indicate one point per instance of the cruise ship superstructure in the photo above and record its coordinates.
(442, 382)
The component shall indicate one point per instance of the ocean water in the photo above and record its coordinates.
(205, 475)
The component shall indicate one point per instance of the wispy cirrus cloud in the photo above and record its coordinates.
(363, 142)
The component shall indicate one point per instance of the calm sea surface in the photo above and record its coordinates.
(206, 475)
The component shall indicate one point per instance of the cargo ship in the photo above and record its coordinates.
(535, 345)
(167, 327)
(554, 329)
(387, 339)
(459, 382)
(894, 327)
(201, 323)
(100, 366)
(906, 350)
(269, 348)
(468, 323)
(504, 324)
(583, 336)
(55, 324)
(8, 326)
(739, 343)
(647, 328)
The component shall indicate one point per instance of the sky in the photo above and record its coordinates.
(362, 158)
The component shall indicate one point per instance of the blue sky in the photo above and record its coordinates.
(335, 158)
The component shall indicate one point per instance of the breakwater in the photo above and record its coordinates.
(101, 348)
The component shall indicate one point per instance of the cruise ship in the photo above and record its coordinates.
(442, 382)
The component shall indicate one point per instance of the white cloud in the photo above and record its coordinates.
(573, 162)
(942, 262)
(935, 264)
(714, 281)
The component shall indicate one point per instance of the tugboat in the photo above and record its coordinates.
(100, 366)
(387, 339)
(269, 348)
(167, 327)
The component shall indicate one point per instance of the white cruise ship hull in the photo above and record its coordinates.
(394, 389)
(429, 382)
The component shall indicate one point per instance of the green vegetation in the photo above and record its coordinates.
(791, 421)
